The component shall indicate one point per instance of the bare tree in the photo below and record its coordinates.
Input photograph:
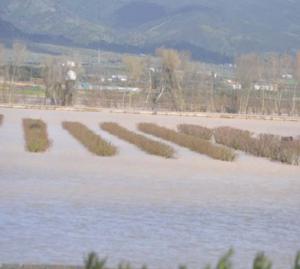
(248, 72)
(53, 80)
(285, 70)
(297, 81)
(270, 77)
(19, 52)
(169, 83)
(274, 78)
(185, 60)
(72, 71)
(60, 76)
(147, 78)
(1, 54)
(193, 86)
(134, 67)
(94, 95)
(3, 75)
(139, 71)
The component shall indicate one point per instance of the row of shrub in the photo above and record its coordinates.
(144, 143)
(195, 130)
(260, 262)
(193, 137)
(188, 141)
(263, 145)
(36, 135)
(93, 142)
(1, 119)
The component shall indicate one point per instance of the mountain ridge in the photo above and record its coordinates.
(234, 27)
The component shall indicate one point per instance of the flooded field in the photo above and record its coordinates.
(57, 206)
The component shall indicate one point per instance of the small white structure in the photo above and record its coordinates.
(229, 84)
(119, 78)
(71, 64)
(71, 76)
(287, 76)
(265, 87)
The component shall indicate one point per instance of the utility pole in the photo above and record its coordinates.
(99, 56)
(31, 73)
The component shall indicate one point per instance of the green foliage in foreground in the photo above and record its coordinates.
(260, 262)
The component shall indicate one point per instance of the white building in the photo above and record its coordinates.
(71, 76)
(263, 87)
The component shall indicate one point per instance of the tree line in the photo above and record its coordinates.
(170, 80)
(265, 85)
(59, 87)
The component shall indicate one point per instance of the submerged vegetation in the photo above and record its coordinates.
(191, 142)
(260, 262)
(274, 147)
(263, 145)
(142, 142)
(93, 142)
(36, 135)
(195, 130)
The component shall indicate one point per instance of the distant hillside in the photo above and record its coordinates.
(8, 32)
(210, 28)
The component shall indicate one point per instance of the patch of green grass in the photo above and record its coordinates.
(33, 91)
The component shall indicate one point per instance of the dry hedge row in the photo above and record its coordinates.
(144, 143)
(264, 145)
(193, 143)
(93, 142)
(36, 135)
(195, 130)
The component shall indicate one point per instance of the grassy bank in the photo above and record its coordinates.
(93, 142)
(36, 135)
(274, 147)
(142, 142)
(191, 142)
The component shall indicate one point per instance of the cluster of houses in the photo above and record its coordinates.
(114, 87)
(261, 86)
(88, 86)
(234, 85)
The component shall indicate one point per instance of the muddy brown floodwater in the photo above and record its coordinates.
(58, 206)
